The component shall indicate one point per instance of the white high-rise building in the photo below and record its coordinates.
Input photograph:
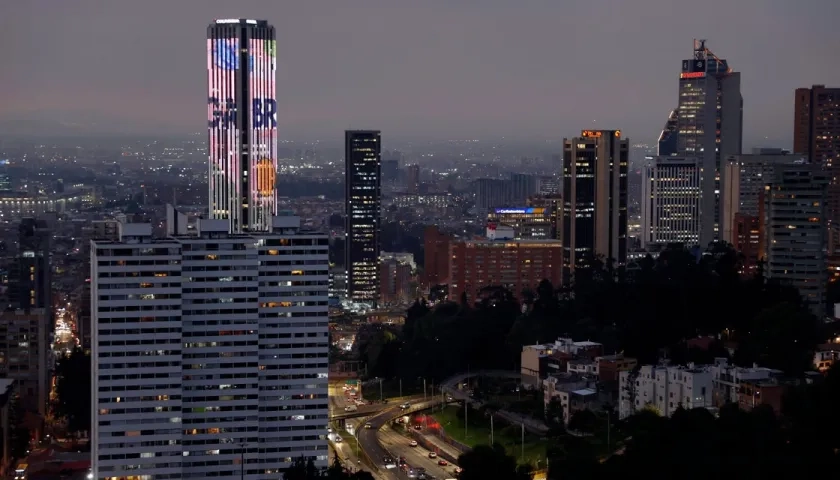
(207, 350)
(671, 200)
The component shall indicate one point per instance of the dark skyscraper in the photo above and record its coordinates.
(363, 204)
(668, 139)
(242, 123)
(816, 134)
(709, 120)
(29, 279)
(595, 200)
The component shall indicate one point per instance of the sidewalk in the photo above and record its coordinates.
(346, 453)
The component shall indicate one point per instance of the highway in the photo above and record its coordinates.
(349, 455)
(398, 445)
(378, 442)
(368, 436)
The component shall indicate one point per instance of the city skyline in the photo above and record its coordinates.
(445, 72)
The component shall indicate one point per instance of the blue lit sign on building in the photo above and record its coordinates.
(515, 210)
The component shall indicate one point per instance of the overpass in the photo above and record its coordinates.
(368, 410)
(363, 411)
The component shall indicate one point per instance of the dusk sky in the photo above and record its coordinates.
(416, 69)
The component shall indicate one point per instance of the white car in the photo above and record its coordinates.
(413, 443)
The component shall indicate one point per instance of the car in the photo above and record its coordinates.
(351, 408)
(401, 461)
(457, 470)
(337, 439)
(418, 427)
(413, 443)
(442, 462)
(432, 455)
(367, 425)
(405, 405)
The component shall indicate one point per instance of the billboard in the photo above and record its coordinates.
(263, 121)
(241, 96)
(525, 211)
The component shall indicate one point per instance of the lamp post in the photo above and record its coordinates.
(242, 460)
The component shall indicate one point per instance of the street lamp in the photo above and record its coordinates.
(242, 460)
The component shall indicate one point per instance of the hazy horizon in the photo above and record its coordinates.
(527, 71)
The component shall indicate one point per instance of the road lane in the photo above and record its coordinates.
(349, 454)
(435, 440)
(368, 436)
(418, 456)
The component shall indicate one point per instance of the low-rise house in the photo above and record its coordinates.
(664, 389)
(727, 379)
(539, 361)
(573, 392)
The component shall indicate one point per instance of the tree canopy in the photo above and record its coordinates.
(485, 461)
(303, 469)
(74, 383)
(651, 307)
(744, 444)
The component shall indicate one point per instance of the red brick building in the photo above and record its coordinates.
(748, 238)
(513, 264)
(436, 262)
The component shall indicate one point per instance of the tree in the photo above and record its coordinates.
(583, 421)
(302, 469)
(73, 388)
(484, 461)
(19, 436)
(554, 419)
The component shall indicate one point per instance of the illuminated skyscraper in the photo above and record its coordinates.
(363, 205)
(242, 123)
(709, 127)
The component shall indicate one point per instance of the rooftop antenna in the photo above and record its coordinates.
(699, 49)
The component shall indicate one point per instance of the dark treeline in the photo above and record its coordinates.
(646, 313)
(691, 444)
(754, 444)
(302, 469)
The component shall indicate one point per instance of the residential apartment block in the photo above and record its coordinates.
(209, 352)
(665, 388)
